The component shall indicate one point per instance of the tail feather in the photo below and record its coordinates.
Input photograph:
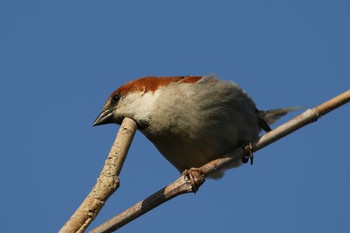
(271, 116)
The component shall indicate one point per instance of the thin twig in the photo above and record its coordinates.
(185, 185)
(107, 183)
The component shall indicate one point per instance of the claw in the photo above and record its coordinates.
(195, 176)
(248, 149)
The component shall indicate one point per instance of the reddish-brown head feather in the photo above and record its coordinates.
(151, 84)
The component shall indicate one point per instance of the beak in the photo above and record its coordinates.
(105, 117)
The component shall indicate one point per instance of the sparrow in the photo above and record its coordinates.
(191, 120)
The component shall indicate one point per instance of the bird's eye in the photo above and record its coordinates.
(116, 97)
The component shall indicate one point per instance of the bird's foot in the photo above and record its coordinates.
(195, 176)
(248, 149)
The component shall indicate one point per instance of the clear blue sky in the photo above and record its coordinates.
(59, 61)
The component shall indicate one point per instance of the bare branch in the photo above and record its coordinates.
(107, 183)
(186, 185)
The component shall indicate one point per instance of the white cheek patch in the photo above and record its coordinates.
(146, 103)
(138, 105)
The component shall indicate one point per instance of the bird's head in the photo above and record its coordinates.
(136, 99)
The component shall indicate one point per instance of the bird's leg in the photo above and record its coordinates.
(195, 176)
(248, 149)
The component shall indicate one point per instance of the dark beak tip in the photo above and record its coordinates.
(98, 122)
(105, 117)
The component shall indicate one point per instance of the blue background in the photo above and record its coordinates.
(60, 60)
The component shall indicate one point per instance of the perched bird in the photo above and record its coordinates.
(190, 119)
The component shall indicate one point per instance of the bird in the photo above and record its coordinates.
(191, 120)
